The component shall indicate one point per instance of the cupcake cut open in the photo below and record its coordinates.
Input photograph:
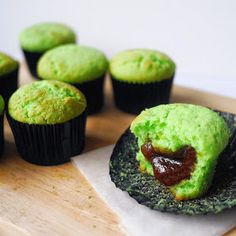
(132, 172)
(180, 144)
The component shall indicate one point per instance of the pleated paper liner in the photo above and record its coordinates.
(49, 144)
(1, 133)
(32, 59)
(93, 91)
(125, 173)
(133, 97)
(9, 84)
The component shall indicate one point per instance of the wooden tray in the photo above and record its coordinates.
(58, 200)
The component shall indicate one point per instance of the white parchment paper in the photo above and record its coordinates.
(137, 219)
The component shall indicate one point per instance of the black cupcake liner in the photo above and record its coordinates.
(93, 91)
(9, 84)
(32, 59)
(1, 133)
(133, 97)
(49, 144)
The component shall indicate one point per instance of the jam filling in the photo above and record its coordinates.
(170, 167)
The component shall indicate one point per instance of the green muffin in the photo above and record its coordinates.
(181, 129)
(81, 66)
(48, 121)
(42, 37)
(141, 78)
(2, 105)
(8, 75)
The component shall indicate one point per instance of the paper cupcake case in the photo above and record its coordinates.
(134, 97)
(49, 144)
(9, 84)
(93, 91)
(32, 60)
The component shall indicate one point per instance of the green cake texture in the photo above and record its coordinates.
(7, 64)
(72, 64)
(141, 66)
(171, 127)
(46, 102)
(44, 36)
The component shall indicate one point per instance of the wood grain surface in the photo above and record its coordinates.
(58, 200)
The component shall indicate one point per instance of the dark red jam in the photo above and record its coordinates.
(170, 167)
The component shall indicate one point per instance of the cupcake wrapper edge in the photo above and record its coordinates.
(49, 144)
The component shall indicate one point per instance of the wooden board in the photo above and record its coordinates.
(58, 200)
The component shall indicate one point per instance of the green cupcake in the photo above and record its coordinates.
(81, 66)
(8, 75)
(180, 144)
(141, 78)
(42, 37)
(48, 121)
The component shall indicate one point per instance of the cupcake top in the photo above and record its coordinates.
(174, 125)
(72, 64)
(2, 104)
(46, 102)
(141, 66)
(42, 37)
(7, 64)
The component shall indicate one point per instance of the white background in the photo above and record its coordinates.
(199, 35)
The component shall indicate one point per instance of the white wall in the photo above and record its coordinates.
(199, 35)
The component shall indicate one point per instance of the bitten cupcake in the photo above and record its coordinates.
(141, 78)
(39, 38)
(2, 104)
(81, 66)
(8, 75)
(48, 120)
(180, 144)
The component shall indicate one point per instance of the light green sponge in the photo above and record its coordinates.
(141, 66)
(171, 127)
